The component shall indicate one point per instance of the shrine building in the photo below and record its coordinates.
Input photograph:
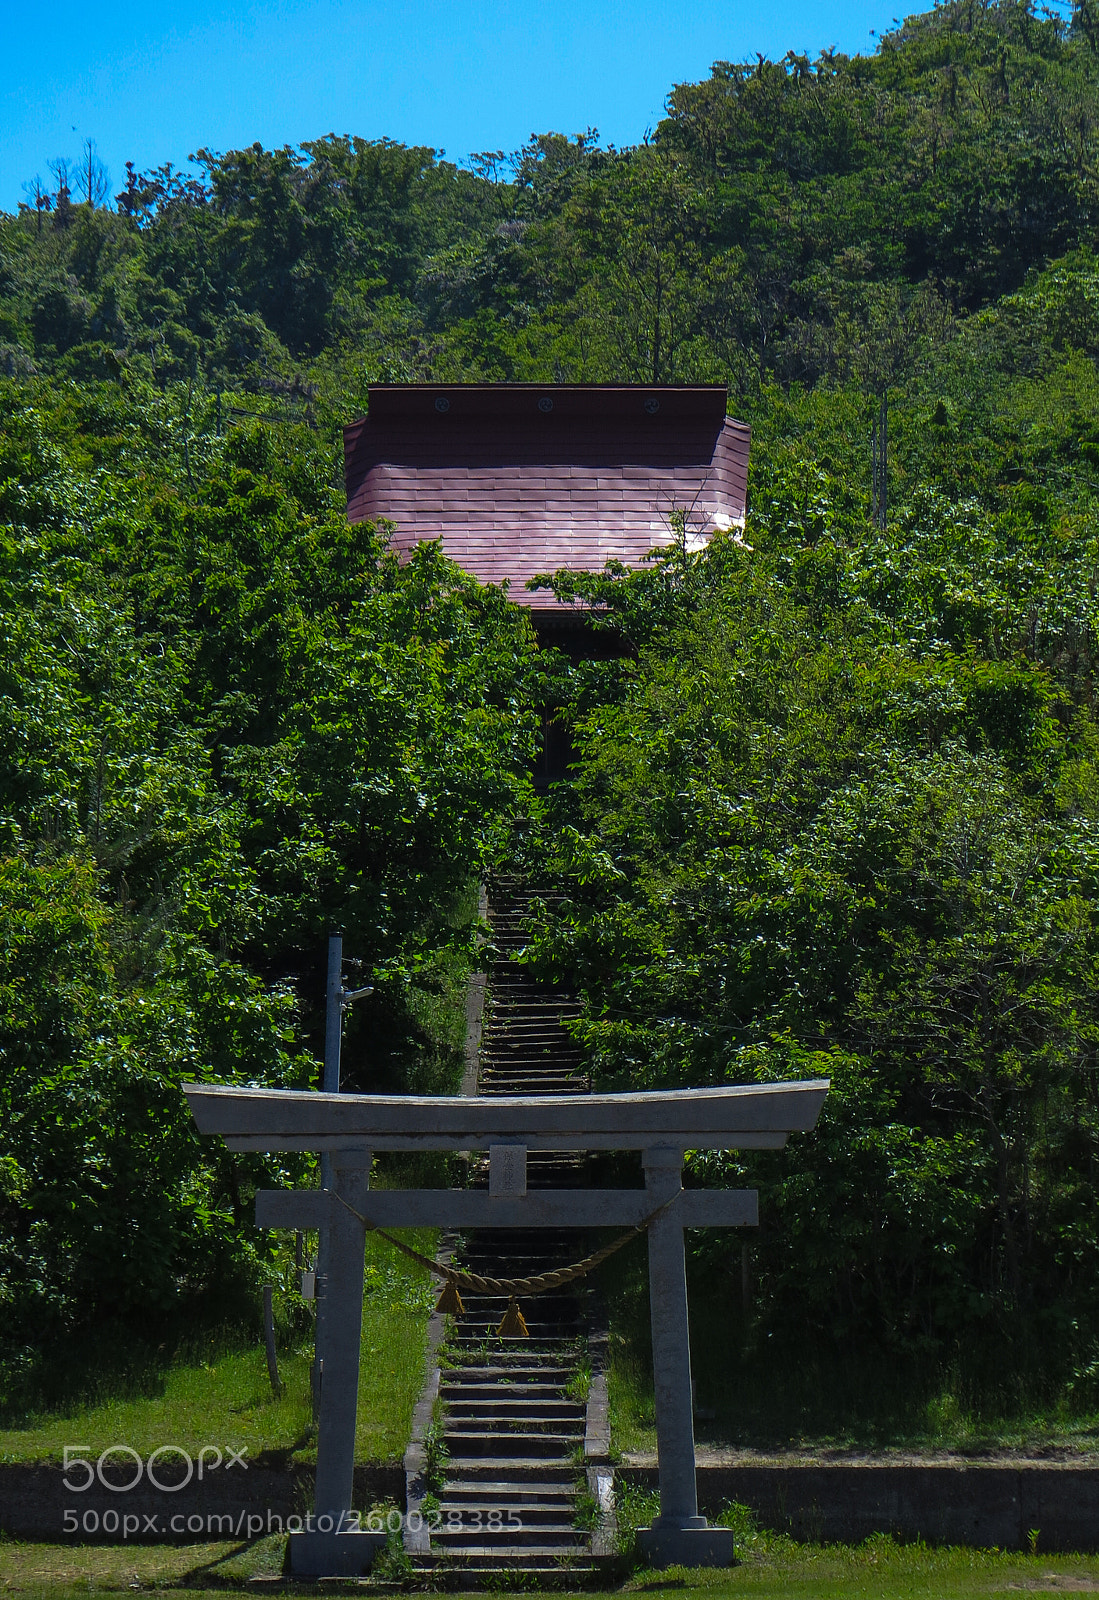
(521, 479)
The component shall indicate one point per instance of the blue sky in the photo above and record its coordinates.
(152, 82)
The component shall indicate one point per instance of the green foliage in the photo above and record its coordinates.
(436, 1453)
(833, 821)
(228, 722)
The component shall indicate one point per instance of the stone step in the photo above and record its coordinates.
(563, 1077)
(517, 1020)
(462, 1411)
(564, 1415)
(513, 1426)
(540, 1308)
(518, 1003)
(539, 1059)
(541, 1063)
(482, 1309)
(501, 1377)
(516, 1084)
(540, 1051)
(536, 1060)
(533, 1064)
(519, 1447)
(545, 1307)
(508, 1041)
(505, 1088)
(525, 1067)
(540, 1043)
(552, 1076)
(536, 1565)
(512, 1034)
(523, 1009)
(504, 1032)
(530, 1476)
(476, 1338)
(534, 1057)
(477, 1330)
(520, 1078)
(484, 1493)
(507, 1522)
(500, 1393)
(539, 1373)
(463, 1398)
(561, 1536)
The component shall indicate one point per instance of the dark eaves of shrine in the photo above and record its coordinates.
(523, 479)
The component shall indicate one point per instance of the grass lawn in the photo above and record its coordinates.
(878, 1568)
(227, 1399)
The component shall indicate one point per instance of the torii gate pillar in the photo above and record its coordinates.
(678, 1536)
(343, 1303)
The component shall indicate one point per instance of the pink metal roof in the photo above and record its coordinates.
(516, 479)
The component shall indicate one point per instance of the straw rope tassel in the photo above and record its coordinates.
(450, 1301)
(514, 1325)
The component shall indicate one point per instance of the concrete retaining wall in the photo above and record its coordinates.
(984, 1505)
(979, 1504)
(233, 1504)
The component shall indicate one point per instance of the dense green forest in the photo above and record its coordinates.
(834, 809)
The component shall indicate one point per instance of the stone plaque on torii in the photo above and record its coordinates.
(348, 1128)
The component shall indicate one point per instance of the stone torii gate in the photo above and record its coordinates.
(348, 1128)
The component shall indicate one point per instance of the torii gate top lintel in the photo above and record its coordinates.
(741, 1116)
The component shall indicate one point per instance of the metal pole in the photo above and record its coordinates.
(333, 1022)
(675, 1438)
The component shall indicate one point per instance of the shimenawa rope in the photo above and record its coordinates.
(456, 1277)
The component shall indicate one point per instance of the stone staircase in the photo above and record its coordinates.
(513, 1432)
(524, 1047)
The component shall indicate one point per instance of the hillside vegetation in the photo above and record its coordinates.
(834, 811)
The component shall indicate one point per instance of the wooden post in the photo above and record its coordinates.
(269, 1340)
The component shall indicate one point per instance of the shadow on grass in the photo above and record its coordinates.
(119, 1362)
(792, 1391)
